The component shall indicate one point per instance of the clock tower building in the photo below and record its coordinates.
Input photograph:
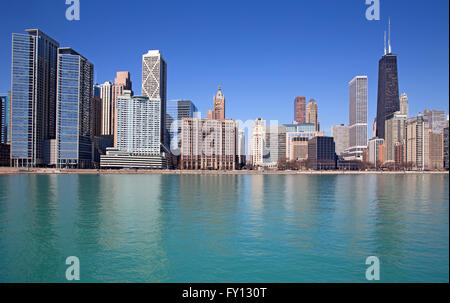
(219, 105)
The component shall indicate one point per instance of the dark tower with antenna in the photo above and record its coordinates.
(388, 96)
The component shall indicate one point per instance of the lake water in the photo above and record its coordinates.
(224, 228)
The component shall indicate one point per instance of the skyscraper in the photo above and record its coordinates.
(258, 142)
(388, 96)
(138, 134)
(357, 116)
(395, 133)
(300, 110)
(122, 82)
(96, 112)
(3, 120)
(219, 105)
(404, 105)
(154, 85)
(417, 142)
(312, 114)
(74, 105)
(33, 96)
(107, 96)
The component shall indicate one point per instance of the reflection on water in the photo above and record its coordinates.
(224, 228)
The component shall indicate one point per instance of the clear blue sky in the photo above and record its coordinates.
(263, 53)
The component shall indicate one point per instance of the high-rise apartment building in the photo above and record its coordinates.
(417, 148)
(33, 96)
(436, 150)
(388, 95)
(404, 107)
(312, 114)
(209, 144)
(300, 110)
(138, 134)
(436, 120)
(395, 133)
(341, 136)
(154, 86)
(122, 82)
(107, 96)
(3, 119)
(258, 142)
(74, 110)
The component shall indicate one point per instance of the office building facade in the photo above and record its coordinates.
(358, 112)
(74, 110)
(275, 141)
(33, 96)
(321, 153)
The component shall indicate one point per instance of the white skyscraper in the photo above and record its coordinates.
(358, 117)
(106, 94)
(154, 79)
(138, 124)
(258, 142)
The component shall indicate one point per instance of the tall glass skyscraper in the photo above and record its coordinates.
(74, 98)
(33, 96)
(388, 95)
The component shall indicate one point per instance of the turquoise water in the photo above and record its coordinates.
(225, 228)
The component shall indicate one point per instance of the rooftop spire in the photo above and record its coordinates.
(385, 43)
(390, 48)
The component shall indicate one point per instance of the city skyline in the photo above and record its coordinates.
(249, 90)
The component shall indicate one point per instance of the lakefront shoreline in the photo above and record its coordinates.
(50, 171)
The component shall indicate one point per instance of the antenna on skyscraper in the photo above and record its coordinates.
(384, 42)
(390, 49)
